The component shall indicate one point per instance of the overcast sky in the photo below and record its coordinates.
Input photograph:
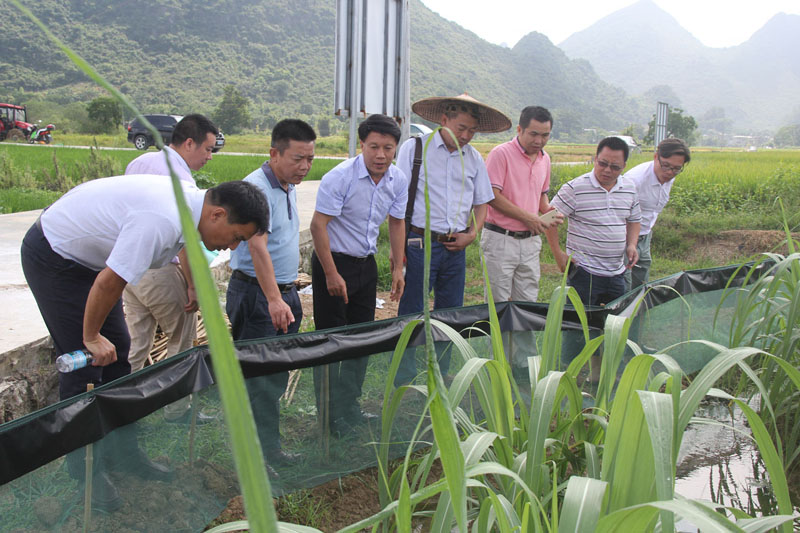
(716, 23)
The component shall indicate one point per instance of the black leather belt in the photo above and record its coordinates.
(438, 237)
(238, 274)
(352, 258)
(514, 234)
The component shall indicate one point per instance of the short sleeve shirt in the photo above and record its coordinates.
(597, 222)
(521, 180)
(653, 195)
(358, 205)
(155, 163)
(283, 241)
(127, 223)
(452, 192)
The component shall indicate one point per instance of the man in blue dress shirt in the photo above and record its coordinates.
(454, 196)
(262, 299)
(352, 202)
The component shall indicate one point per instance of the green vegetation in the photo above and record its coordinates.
(233, 113)
(105, 114)
(678, 125)
(178, 58)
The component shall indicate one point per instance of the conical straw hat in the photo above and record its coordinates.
(490, 120)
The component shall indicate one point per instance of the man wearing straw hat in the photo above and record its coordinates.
(454, 197)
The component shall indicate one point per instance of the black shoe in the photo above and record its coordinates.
(141, 465)
(186, 419)
(279, 457)
(105, 496)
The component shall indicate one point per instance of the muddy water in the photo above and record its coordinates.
(719, 462)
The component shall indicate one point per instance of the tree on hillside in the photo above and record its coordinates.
(105, 115)
(678, 125)
(233, 113)
(788, 136)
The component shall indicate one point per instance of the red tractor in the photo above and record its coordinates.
(14, 124)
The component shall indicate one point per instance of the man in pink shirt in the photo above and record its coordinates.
(519, 171)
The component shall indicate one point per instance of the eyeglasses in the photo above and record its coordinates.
(605, 164)
(666, 167)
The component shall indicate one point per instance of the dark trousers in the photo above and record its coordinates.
(346, 377)
(248, 312)
(61, 288)
(593, 290)
(447, 275)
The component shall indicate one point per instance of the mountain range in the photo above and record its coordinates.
(643, 49)
(177, 57)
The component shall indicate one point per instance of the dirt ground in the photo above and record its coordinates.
(729, 246)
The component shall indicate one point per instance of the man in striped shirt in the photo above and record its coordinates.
(604, 220)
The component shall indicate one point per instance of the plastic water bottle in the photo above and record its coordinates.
(73, 360)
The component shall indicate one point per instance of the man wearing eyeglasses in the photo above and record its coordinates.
(653, 181)
(604, 219)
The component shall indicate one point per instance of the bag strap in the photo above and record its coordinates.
(412, 186)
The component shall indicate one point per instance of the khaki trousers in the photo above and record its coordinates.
(158, 299)
(514, 272)
(513, 266)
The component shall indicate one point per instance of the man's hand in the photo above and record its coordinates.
(462, 240)
(192, 305)
(535, 224)
(336, 285)
(633, 256)
(281, 315)
(561, 260)
(398, 284)
(102, 350)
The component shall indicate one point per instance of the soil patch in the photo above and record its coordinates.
(733, 245)
(335, 504)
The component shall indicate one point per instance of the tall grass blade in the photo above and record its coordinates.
(582, 504)
(235, 402)
(660, 417)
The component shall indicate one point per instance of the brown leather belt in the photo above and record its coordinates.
(514, 234)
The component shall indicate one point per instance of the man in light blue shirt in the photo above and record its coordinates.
(352, 202)
(262, 299)
(455, 195)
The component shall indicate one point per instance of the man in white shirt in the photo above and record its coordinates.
(165, 296)
(82, 252)
(653, 181)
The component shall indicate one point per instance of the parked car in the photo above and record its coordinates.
(632, 146)
(143, 139)
(419, 129)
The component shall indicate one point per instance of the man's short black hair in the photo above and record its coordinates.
(674, 146)
(379, 124)
(534, 112)
(243, 202)
(195, 127)
(614, 143)
(291, 129)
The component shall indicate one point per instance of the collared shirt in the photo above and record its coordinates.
(283, 241)
(359, 206)
(653, 195)
(155, 163)
(597, 229)
(127, 223)
(452, 194)
(522, 181)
